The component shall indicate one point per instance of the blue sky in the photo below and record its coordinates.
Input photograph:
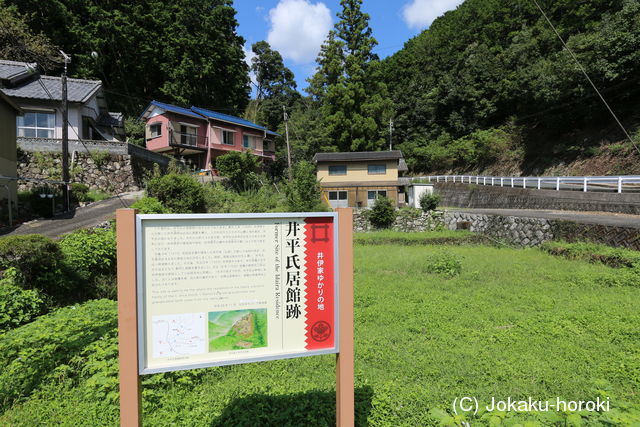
(297, 28)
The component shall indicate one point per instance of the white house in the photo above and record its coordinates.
(40, 98)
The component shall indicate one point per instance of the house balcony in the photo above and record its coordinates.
(188, 143)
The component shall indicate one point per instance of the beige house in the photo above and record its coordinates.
(357, 179)
(8, 151)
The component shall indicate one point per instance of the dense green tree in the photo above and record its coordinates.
(303, 192)
(19, 43)
(240, 169)
(490, 62)
(275, 89)
(186, 51)
(348, 84)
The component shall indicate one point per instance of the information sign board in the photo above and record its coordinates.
(217, 289)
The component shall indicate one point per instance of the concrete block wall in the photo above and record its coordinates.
(483, 196)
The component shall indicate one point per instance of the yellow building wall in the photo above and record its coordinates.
(358, 172)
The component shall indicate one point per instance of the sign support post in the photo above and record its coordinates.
(130, 402)
(345, 404)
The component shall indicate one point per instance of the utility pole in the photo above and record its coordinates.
(65, 135)
(390, 134)
(286, 132)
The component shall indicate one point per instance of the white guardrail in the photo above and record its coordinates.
(628, 183)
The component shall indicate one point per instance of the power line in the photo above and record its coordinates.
(587, 76)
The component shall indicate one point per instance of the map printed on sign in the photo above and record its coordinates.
(175, 335)
(221, 289)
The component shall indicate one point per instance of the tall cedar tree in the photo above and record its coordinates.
(276, 86)
(348, 84)
(185, 51)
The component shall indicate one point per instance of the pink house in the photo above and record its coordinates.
(201, 135)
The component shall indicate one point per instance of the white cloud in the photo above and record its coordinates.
(298, 28)
(419, 14)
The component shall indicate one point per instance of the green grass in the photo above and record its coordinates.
(97, 195)
(511, 323)
(440, 237)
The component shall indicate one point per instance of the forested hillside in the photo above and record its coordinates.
(185, 51)
(487, 88)
(490, 87)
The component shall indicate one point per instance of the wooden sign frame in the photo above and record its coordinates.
(130, 392)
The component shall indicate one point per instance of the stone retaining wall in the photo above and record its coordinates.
(112, 167)
(113, 173)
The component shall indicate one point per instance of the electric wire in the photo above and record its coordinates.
(586, 75)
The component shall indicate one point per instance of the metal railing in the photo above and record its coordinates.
(618, 184)
(187, 139)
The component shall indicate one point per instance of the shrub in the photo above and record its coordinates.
(79, 192)
(149, 205)
(30, 352)
(177, 192)
(90, 252)
(593, 252)
(382, 214)
(39, 261)
(240, 169)
(18, 306)
(429, 201)
(444, 263)
(101, 158)
(303, 193)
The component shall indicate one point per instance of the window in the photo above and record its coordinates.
(338, 170)
(374, 194)
(227, 137)
(188, 135)
(249, 141)
(155, 130)
(337, 195)
(36, 125)
(377, 169)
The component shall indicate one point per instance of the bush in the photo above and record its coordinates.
(79, 192)
(240, 169)
(593, 252)
(18, 306)
(443, 263)
(29, 353)
(177, 192)
(39, 261)
(382, 214)
(90, 252)
(149, 205)
(303, 193)
(429, 201)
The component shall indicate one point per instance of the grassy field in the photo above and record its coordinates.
(506, 323)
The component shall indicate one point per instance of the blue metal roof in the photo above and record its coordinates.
(230, 119)
(172, 108)
(202, 113)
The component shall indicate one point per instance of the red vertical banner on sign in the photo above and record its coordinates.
(320, 287)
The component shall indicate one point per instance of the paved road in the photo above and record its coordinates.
(87, 216)
(604, 218)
